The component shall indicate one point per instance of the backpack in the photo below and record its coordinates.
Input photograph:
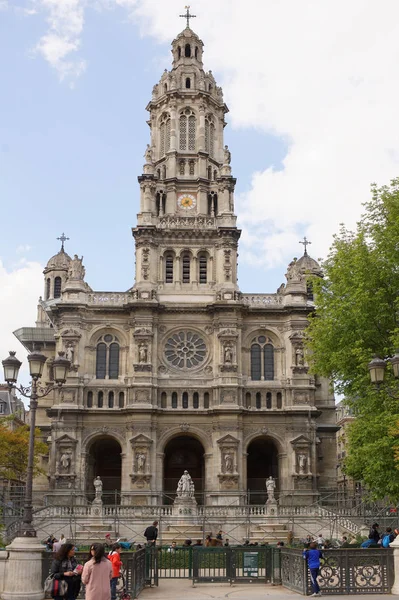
(386, 540)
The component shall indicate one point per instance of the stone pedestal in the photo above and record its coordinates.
(23, 577)
(185, 507)
(271, 507)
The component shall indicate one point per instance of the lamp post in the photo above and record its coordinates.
(35, 391)
(377, 368)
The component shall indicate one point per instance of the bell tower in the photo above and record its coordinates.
(186, 235)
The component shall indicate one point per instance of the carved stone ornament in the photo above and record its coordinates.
(301, 397)
(140, 367)
(228, 397)
(140, 481)
(67, 396)
(142, 396)
(228, 368)
(227, 481)
(184, 426)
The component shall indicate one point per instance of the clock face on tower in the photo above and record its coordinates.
(186, 201)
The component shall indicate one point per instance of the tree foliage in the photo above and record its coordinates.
(14, 447)
(357, 317)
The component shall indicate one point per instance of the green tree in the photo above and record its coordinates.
(14, 447)
(356, 317)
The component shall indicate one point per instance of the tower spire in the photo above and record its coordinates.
(188, 16)
(305, 243)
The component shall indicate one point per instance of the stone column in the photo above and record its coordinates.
(23, 577)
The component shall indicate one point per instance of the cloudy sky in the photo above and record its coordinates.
(313, 93)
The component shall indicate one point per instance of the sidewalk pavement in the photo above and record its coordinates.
(182, 589)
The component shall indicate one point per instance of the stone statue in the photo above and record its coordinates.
(143, 353)
(228, 462)
(70, 352)
(299, 357)
(76, 268)
(270, 487)
(141, 458)
(227, 155)
(302, 463)
(228, 354)
(98, 486)
(293, 273)
(185, 487)
(148, 154)
(65, 461)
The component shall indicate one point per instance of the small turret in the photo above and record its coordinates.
(56, 272)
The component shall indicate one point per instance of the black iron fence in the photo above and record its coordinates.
(343, 571)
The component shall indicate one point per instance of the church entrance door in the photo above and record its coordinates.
(183, 453)
(105, 461)
(262, 462)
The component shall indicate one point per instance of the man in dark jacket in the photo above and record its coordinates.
(151, 533)
(374, 534)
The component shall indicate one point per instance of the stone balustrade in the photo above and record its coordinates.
(263, 300)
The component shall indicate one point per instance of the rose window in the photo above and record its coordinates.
(185, 349)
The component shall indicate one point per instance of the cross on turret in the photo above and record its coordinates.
(305, 243)
(187, 16)
(62, 239)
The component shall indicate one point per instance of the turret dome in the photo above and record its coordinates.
(307, 264)
(59, 261)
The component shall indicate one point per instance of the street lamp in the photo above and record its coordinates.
(378, 365)
(11, 366)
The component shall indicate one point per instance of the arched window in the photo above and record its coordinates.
(188, 83)
(268, 400)
(101, 361)
(187, 50)
(262, 359)
(206, 400)
(164, 141)
(169, 268)
(174, 399)
(48, 284)
(258, 400)
(255, 362)
(187, 130)
(195, 400)
(185, 400)
(209, 135)
(163, 400)
(110, 399)
(248, 400)
(89, 399)
(57, 287)
(121, 399)
(186, 268)
(100, 399)
(107, 357)
(279, 400)
(203, 267)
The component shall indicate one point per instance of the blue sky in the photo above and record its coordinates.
(313, 121)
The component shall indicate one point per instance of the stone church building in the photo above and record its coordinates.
(183, 370)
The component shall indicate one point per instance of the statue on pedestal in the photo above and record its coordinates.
(185, 487)
(270, 487)
(98, 486)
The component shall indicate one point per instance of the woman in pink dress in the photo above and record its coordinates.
(97, 574)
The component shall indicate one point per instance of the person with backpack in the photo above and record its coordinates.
(313, 556)
(387, 538)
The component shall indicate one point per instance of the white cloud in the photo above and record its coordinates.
(23, 248)
(20, 290)
(321, 75)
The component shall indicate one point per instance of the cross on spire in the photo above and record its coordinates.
(305, 243)
(187, 16)
(62, 239)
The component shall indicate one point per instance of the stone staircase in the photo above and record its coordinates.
(180, 533)
(268, 532)
(94, 532)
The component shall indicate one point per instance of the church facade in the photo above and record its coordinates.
(184, 371)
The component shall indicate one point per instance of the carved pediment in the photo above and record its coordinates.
(140, 440)
(70, 334)
(228, 440)
(301, 440)
(297, 336)
(65, 440)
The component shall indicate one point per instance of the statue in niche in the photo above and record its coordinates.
(76, 269)
(148, 154)
(302, 463)
(143, 353)
(98, 486)
(299, 357)
(140, 459)
(270, 487)
(227, 155)
(228, 354)
(65, 461)
(228, 462)
(185, 487)
(70, 352)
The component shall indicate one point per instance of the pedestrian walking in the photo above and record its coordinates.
(65, 566)
(151, 533)
(115, 558)
(97, 574)
(313, 555)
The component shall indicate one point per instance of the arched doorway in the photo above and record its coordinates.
(262, 461)
(183, 453)
(105, 460)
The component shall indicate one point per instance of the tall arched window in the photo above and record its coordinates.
(185, 400)
(188, 83)
(187, 50)
(206, 400)
(164, 142)
(89, 399)
(100, 399)
(186, 268)
(107, 357)
(258, 400)
(268, 400)
(174, 399)
(57, 287)
(110, 399)
(48, 284)
(262, 359)
(279, 400)
(195, 400)
(187, 130)
(203, 268)
(169, 268)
